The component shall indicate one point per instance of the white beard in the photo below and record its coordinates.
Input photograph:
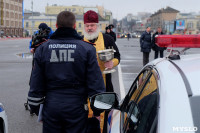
(92, 36)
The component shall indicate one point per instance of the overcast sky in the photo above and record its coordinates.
(121, 8)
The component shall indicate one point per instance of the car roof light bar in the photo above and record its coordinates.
(186, 41)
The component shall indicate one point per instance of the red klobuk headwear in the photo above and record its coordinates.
(91, 17)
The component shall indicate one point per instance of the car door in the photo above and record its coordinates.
(139, 109)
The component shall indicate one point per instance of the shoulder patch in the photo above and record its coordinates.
(89, 42)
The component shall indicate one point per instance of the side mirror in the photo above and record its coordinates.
(104, 101)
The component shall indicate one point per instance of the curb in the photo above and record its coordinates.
(18, 38)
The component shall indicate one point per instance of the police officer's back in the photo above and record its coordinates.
(65, 72)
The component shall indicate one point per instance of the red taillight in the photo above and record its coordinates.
(189, 41)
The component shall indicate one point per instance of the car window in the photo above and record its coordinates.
(141, 105)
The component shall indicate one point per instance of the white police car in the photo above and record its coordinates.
(3, 120)
(164, 98)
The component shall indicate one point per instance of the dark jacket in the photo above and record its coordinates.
(145, 42)
(154, 46)
(109, 43)
(113, 35)
(65, 70)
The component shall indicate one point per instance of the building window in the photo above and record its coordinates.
(190, 25)
(16, 24)
(27, 24)
(16, 32)
(79, 25)
(12, 24)
(7, 14)
(33, 23)
(20, 9)
(74, 10)
(20, 24)
(198, 25)
(7, 6)
(7, 23)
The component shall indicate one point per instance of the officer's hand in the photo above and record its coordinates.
(35, 109)
(109, 64)
(32, 50)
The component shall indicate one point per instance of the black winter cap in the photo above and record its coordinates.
(43, 26)
(107, 27)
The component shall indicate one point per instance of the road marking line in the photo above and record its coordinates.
(131, 73)
(121, 83)
(129, 60)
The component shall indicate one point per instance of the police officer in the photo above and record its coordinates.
(64, 75)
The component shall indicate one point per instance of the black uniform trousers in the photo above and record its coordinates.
(156, 54)
(145, 58)
(64, 115)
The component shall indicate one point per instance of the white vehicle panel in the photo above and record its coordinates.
(174, 105)
(4, 117)
(190, 65)
(115, 121)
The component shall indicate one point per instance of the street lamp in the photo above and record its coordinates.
(32, 15)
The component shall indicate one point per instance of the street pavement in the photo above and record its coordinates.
(14, 80)
(15, 74)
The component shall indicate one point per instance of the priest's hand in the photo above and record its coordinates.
(109, 64)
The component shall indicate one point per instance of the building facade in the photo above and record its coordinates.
(55, 10)
(163, 18)
(31, 23)
(190, 23)
(11, 18)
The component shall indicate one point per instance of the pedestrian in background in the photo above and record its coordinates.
(128, 36)
(65, 74)
(146, 45)
(107, 31)
(112, 33)
(155, 47)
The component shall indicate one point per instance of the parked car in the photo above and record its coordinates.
(138, 35)
(133, 35)
(164, 98)
(3, 120)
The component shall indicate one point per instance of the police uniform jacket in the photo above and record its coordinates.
(65, 70)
